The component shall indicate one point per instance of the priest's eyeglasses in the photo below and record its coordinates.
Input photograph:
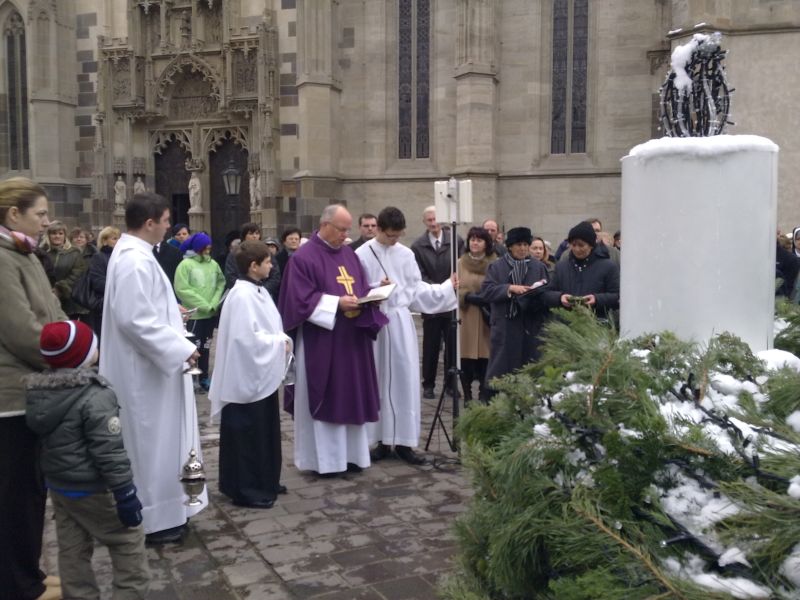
(339, 229)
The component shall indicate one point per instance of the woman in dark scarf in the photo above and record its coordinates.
(588, 275)
(513, 287)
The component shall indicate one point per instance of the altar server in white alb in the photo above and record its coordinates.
(251, 359)
(144, 355)
(396, 349)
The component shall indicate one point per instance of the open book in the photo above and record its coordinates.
(379, 293)
(535, 286)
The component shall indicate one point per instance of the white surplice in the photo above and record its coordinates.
(318, 445)
(396, 349)
(251, 348)
(143, 354)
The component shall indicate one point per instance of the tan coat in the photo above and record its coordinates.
(474, 330)
(28, 303)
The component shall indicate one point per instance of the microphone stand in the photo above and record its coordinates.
(452, 373)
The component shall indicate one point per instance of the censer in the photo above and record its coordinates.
(193, 479)
(193, 475)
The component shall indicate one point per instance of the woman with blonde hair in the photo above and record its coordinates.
(98, 267)
(28, 303)
(68, 264)
(541, 252)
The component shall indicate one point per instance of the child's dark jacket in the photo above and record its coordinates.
(76, 416)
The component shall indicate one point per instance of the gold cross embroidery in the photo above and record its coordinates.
(346, 280)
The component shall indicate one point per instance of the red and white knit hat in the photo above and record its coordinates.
(67, 344)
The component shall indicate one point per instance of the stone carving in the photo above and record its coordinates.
(244, 72)
(120, 193)
(139, 165)
(195, 193)
(215, 137)
(195, 64)
(194, 164)
(139, 186)
(162, 138)
(122, 81)
(192, 97)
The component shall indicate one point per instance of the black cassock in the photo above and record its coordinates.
(250, 450)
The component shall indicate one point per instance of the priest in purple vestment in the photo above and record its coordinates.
(336, 391)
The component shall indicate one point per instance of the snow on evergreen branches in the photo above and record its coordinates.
(634, 469)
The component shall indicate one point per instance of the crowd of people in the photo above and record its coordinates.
(328, 318)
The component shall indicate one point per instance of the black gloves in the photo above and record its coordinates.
(129, 509)
(472, 298)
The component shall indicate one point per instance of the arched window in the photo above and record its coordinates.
(570, 47)
(414, 78)
(17, 93)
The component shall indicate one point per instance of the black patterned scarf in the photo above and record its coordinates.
(517, 274)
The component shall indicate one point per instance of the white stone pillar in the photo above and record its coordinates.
(699, 237)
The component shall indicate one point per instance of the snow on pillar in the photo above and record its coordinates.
(699, 236)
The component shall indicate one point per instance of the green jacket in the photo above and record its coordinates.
(199, 283)
(68, 265)
(76, 416)
(28, 303)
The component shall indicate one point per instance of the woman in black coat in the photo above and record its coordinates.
(588, 275)
(517, 310)
(97, 273)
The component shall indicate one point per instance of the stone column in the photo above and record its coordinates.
(476, 101)
(265, 126)
(318, 96)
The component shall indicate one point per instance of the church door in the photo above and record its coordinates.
(172, 180)
(228, 213)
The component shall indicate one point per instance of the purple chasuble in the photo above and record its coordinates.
(340, 366)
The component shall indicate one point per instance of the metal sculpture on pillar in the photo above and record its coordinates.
(453, 201)
(695, 98)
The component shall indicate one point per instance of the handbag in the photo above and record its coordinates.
(84, 294)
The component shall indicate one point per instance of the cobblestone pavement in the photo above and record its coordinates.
(385, 533)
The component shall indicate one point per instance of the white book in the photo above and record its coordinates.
(378, 294)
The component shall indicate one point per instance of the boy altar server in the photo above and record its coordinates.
(251, 359)
(396, 349)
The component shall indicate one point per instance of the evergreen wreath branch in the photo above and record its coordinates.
(643, 558)
(596, 382)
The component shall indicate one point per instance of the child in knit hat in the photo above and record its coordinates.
(199, 284)
(76, 416)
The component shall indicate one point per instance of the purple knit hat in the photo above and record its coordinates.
(197, 243)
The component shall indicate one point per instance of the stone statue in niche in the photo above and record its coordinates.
(195, 193)
(138, 186)
(253, 195)
(259, 191)
(120, 193)
(186, 29)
